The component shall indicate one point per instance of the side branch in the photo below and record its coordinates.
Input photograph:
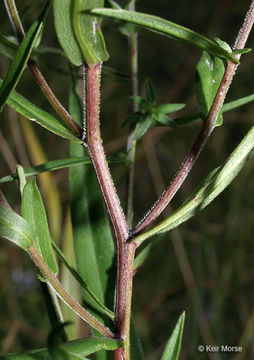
(205, 132)
(57, 287)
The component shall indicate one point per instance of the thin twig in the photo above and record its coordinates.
(39, 78)
(205, 132)
(57, 287)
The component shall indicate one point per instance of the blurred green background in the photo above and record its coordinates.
(204, 267)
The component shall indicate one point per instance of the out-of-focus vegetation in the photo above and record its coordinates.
(206, 265)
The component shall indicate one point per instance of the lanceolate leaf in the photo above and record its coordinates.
(173, 346)
(87, 31)
(15, 229)
(33, 211)
(208, 190)
(168, 28)
(34, 113)
(78, 31)
(75, 349)
(23, 53)
(57, 165)
(209, 73)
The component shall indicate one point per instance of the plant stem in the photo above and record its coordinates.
(57, 287)
(39, 78)
(123, 298)
(131, 144)
(93, 144)
(125, 252)
(205, 132)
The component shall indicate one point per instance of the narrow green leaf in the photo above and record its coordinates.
(173, 346)
(77, 349)
(164, 120)
(79, 279)
(19, 63)
(169, 108)
(78, 32)
(150, 96)
(168, 28)
(142, 127)
(33, 212)
(226, 107)
(57, 165)
(209, 73)
(15, 229)
(87, 31)
(237, 103)
(64, 30)
(34, 113)
(213, 184)
(21, 177)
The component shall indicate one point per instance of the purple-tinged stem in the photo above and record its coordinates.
(205, 132)
(125, 252)
(95, 149)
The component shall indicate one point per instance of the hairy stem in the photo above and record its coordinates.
(39, 78)
(125, 252)
(93, 144)
(205, 132)
(123, 299)
(57, 287)
(131, 144)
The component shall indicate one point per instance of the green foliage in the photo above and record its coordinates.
(209, 73)
(213, 184)
(150, 113)
(19, 63)
(34, 113)
(15, 229)
(78, 32)
(173, 346)
(168, 28)
(58, 165)
(75, 350)
(32, 210)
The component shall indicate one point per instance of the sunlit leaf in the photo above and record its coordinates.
(19, 63)
(15, 229)
(33, 212)
(168, 28)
